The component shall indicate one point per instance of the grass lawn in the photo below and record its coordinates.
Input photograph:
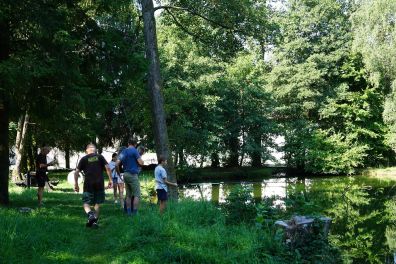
(190, 232)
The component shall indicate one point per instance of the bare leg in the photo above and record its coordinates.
(87, 208)
(97, 210)
(121, 193)
(40, 191)
(115, 191)
(162, 206)
(135, 203)
(128, 202)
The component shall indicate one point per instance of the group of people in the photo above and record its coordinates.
(122, 172)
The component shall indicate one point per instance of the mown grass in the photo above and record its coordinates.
(190, 232)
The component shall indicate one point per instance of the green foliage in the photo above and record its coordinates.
(334, 154)
(374, 34)
(239, 206)
(189, 232)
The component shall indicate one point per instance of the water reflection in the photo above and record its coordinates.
(217, 192)
(362, 209)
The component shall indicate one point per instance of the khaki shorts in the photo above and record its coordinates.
(132, 185)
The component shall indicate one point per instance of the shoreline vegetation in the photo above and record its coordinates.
(388, 173)
(196, 175)
(189, 232)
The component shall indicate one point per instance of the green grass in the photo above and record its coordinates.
(190, 232)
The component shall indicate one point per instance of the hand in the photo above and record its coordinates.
(110, 185)
(76, 187)
(174, 184)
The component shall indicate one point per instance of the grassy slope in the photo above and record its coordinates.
(190, 232)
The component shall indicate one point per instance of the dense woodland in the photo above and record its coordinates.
(235, 75)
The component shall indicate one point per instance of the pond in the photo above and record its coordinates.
(363, 209)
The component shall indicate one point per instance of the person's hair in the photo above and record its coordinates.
(114, 155)
(161, 159)
(141, 149)
(45, 148)
(90, 145)
(132, 142)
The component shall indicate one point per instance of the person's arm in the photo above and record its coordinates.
(117, 167)
(165, 178)
(170, 183)
(140, 161)
(108, 171)
(76, 174)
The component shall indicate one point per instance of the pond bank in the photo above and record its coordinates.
(380, 173)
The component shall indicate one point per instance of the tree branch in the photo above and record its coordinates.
(167, 7)
(184, 28)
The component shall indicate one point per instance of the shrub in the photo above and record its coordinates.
(240, 206)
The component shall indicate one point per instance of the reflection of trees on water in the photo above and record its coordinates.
(257, 191)
(215, 193)
(357, 208)
(361, 209)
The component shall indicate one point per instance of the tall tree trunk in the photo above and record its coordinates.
(30, 153)
(4, 152)
(67, 156)
(256, 154)
(176, 159)
(154, 84)
(215, 160)
(181, 158)
(4, 116)
(233, 146)
(20, 145)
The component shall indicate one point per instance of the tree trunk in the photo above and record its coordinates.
(20, 145)
(176, 159)
(4, 117)
(4, 153)
(154, 84)
(256, 154)
(233, 145)
(30, 154)
(181, 158)
(215, 160)
(67, 156)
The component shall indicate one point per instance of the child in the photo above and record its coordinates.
(161, 183)
(118, 183)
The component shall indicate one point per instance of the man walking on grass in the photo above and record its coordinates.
(130, 159)
(92, 165)
(41, 172)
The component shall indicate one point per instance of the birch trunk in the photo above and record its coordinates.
(20, 145)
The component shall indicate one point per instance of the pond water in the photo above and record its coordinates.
(363, 209)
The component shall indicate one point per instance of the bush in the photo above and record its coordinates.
(240, 206)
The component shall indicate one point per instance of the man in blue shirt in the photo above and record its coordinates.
(130, 159)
